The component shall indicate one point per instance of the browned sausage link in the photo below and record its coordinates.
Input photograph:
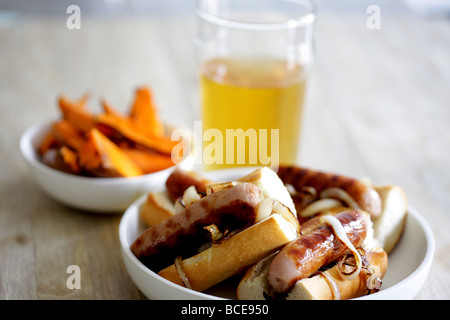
(183, 233)
(365, 196)
(180, 180)
(302, 258)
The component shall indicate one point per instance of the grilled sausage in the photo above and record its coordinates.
(306, 255)
(184, 233)
(364, 195)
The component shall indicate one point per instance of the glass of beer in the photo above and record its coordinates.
(254, 59)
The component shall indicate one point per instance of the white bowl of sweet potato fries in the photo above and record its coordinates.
(103, 162)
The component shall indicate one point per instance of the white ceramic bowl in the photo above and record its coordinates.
(409, 262)
(102, 195)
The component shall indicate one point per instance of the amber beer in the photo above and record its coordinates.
(254, 57)
(253, 94)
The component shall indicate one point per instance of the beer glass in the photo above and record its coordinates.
(254, 60)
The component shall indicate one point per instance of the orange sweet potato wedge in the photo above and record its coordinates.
(76, 113)
(148, 161)
(70, 159)
(130, 130)
(101, 157)
(145, 115)
(67, 134)
(89, 156)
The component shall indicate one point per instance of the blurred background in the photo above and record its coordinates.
(171, 7)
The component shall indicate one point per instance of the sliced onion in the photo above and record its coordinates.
(219, 186)
(190, 195)
(339, 231)
(373, 282)
(307, 190)
(319, 205)
(214, 233)
(311, 191)
(179, 267)
(340, 194)
(333, 286)
(290, 188)
(179, 205)
(344, 263)
(304, 196)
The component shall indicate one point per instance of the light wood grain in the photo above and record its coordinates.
(377, 107)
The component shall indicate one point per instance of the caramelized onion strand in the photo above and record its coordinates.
(340, 194)
(333, 286)
(179, 267)
(318, 206)
(340, 233)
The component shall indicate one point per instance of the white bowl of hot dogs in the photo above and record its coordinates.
(410, 256)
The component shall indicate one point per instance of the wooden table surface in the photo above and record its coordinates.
(377, 106)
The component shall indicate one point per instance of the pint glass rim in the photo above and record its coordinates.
(300, 21)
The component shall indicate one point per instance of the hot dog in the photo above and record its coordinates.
(314, 266)
(232, 208)
(325, 285)
(305, 256)
(233, 254)
(301, 179)
(247, 215)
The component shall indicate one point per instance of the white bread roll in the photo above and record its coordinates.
(254, 285)
(271, 186)
(389, 226)
(157, 208)
(234, 254)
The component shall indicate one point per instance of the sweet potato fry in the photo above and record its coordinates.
(88, 155)
(111, 111)
(102, 157)
(76, 113)
(67, 134)
(149, 161)
(70, 158)
(129, 131)
(145, 115)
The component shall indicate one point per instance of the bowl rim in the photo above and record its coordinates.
(29, 153)
(423, 266)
